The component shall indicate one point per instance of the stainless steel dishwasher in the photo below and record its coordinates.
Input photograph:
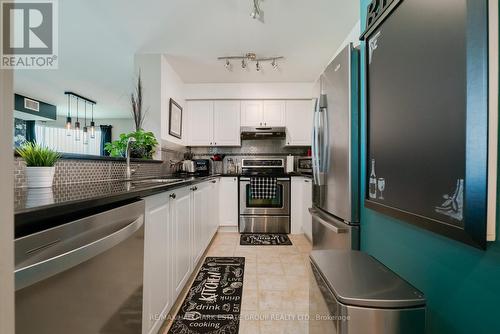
(84, 276)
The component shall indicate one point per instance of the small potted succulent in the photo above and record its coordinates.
(40, 163)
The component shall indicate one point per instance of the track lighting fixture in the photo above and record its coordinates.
(250, 57)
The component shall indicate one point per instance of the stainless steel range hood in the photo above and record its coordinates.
(262, 132)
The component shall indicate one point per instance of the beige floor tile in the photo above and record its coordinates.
(277, 301)
(250, 300)
(272, 282)
(249, 327)
(292, 258)
(295, 270)
(270, 269)
(249, 281)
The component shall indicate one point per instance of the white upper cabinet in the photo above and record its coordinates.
(226, 130)
(299, 122)
(252, 113)
(200, 123)
(274, 113)
(214, 123)
(263, 113)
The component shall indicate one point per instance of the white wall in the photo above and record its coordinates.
(352, 37)
(149, 66)
(172, 87)
(160, 83)
(285, 90)
(6, 205)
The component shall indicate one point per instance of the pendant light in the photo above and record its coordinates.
(85, 129)
(68, 119)
(92, 124)
(77, 123)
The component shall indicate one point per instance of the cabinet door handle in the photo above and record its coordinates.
(173, 196)
(307, 181)
(210, 143)
(194, 188)
(215, 143)
(214, 181)
(265, 124)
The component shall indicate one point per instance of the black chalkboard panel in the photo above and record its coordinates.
(426, 154)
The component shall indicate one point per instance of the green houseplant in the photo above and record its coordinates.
(142, 148)
(40, 163)
(145, 142)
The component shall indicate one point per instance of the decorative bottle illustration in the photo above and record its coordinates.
(453, 205)
(373, 182)
(381, 187)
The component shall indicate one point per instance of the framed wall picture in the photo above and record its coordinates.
(427, 115)
(175, 120)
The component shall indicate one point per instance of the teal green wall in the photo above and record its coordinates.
(462, 284)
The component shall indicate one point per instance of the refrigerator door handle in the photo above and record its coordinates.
(331, 225)
(315, 143)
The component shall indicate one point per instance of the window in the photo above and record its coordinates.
(56, 139)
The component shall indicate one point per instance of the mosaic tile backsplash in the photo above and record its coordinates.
(81, 171)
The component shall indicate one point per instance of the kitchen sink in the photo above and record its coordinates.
(157, 181)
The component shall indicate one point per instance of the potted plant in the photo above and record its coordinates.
(143, 147)
(40, 163)
(145, 142)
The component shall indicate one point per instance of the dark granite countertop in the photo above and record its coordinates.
(42, 208)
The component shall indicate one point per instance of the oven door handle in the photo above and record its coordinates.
(39, 271)
(278, 179)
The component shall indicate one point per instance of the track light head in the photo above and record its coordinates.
(243, 64)
(257, 66)
(274, 64)
(228, 65)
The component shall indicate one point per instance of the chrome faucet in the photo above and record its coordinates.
(128, 171)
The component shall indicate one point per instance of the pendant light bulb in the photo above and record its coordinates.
(68, 118)
(92, 124)
(77, 131)
(77, 124)
(85, 136)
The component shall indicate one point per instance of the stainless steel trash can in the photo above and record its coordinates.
(352, 293)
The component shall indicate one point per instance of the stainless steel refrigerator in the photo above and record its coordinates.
(335, 147)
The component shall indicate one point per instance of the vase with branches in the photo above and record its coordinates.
(137, 108)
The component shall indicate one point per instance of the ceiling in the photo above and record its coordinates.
(98, 40)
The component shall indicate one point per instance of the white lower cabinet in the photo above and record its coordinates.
(200, 221)
(181, 236)
(228, 201)
(157, 293)
(179, 225)
(301, 198)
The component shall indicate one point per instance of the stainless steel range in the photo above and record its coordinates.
(264, 215)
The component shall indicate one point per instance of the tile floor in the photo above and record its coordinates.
(276, 284)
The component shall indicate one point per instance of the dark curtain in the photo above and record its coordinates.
(30, 131)
(105, 137)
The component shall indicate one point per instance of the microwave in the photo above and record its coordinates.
(304, 165)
